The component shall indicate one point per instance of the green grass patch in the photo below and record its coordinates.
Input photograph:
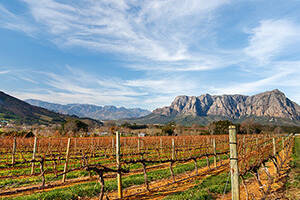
(209, 188)
(92, 189)
(294, 182)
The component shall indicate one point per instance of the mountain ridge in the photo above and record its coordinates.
(21, 112)
(107, 112)
(16, 109)
(270, 107)
(269, 104)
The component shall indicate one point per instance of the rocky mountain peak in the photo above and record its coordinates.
(270, 103)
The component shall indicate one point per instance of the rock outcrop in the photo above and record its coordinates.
(270, 104)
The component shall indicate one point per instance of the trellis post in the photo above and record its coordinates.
(274, 147)
(215, 152)
(161, 145)
(67, 160)
(283, 147)
(113, 144)
(139, 145)
(173, 149)
(119, 178)
(33, 154)
(14, 151)
(235, 187)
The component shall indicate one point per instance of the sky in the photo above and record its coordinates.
(141, 53)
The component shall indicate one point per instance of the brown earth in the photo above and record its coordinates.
(161, 188)
(27, 190)
(277, 186)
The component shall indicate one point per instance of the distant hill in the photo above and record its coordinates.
(271, 107)
(14, 109)
(21, 112)
(91, 111)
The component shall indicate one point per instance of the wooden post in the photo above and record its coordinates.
(93, 148)
(113, 144)
(207, 162)
(139, 144)
(67, 160)
(124, 143)
(235, 187)
(283, 148)
(173, 149)
(161, 145)
(274, 147)
(14, 151)
(119, 178)
(244, 145)
(33, 155)
(215, 152)
(75, 144)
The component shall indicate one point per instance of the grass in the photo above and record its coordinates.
(91, 189)
(37, 179)
(294, 181)
(209, 188)
(296, 154)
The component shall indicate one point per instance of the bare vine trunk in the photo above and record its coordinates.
(172, 171)
(145, 176)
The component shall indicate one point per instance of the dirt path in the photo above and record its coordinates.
(253, 188)
(293, 185)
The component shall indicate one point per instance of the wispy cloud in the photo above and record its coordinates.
(167, 85)
(166, 47)
(4, 72)
(12, 21)
(270, 37)
(73, 85)
(283, 75)
(143, 29)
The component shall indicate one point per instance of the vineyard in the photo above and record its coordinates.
(129, 167)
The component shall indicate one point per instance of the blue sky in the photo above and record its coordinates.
(143, 53)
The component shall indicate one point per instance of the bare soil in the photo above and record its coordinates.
(277, 186)
(161, 188)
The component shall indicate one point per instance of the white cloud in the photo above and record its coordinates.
(248, 87)
(11, 21)
(4, 72)
(142, 29)
(205, 64)
(167, 85)
(284, 74)
(72, 85)
(173, 43)
(270, 38)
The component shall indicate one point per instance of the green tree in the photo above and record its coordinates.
(75, 126)
(168, 129)
(219, 127)
(250, 127)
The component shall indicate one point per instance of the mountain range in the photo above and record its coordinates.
(91, 111)
(271, 107)
(18, 110)
(267, 107)
(13, 109)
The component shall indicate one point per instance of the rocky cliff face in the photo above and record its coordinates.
(270, 104)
